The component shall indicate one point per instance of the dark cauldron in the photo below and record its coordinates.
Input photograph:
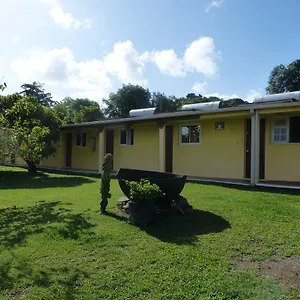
(170, 184)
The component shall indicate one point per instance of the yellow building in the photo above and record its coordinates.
(255, 143)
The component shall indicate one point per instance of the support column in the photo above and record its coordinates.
(254, 147)
(101, 144)
(162, 147)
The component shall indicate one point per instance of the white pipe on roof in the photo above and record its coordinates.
(142, 112)
(202, 106)
(278, 97)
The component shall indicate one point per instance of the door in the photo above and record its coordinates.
(248, 149)
(68, 149)
(262, 148)
(169, 149)
(109, 147)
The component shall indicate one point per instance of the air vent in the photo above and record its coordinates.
(143, 112)
(202, 106)
(278, 97)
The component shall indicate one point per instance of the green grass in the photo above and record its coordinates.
(55, 245)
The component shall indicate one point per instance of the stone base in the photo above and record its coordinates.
(123, 204)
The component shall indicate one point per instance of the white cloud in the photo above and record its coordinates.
(222, 96)
(91, 78)
(213, 4)
(253, 93)
(58, 68)
(249, 97)
(126, 63)
(65, 19)
(167, 62)
(200, 56)
(200, 87)
(16, 39)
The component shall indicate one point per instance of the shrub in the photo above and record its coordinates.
(143, 191)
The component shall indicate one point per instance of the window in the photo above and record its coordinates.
(126, 137)
(81, 139)
(190, 134)
(286, 130)
(280, 130)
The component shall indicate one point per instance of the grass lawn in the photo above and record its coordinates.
(55, 245)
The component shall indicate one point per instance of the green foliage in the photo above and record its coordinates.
(232, 102)
(35, 127)
(193, 96)
(36, 90)
(143, 191)
(107, 166)
(163, 102)
(125, 99)
(284, 78)
(3, 86)
(78, 110)
(9, 144)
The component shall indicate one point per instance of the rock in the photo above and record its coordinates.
(183, 206)
(122, 203)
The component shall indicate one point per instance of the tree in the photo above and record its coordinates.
(78, 110)
(125, 99)
(3, 86)
(193, 96)
(35, 127)
(232, 102)
(163, 102)
(284, 78)
(36, 89)
(9, 144)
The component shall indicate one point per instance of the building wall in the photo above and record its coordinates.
(20, 161)
(282, 160)
(143, 154)
(57, 159)
(220, 154)
(84, 157)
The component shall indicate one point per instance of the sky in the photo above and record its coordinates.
(90, 48)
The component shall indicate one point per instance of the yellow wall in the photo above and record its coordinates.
(20, 161)
(220, 154)
(144, 154)
(54, 160)
(84, 157)
(282, 160)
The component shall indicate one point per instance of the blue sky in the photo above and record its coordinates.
(90, 48)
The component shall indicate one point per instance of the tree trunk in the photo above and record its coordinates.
(31, 166)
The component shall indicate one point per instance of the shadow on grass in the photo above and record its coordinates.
(271, 190)
(18, 223)
(14, 270)
(25, 180)
(182, 230)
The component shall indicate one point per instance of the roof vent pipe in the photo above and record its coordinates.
(143, 112)
(202, 106)
(278, 97)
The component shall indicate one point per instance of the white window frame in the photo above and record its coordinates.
(189, 143)
(128, 137)
(81, 139)
(287, 127)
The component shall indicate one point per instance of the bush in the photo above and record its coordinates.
(143, 191)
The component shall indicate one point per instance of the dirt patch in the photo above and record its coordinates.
(286, 271)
